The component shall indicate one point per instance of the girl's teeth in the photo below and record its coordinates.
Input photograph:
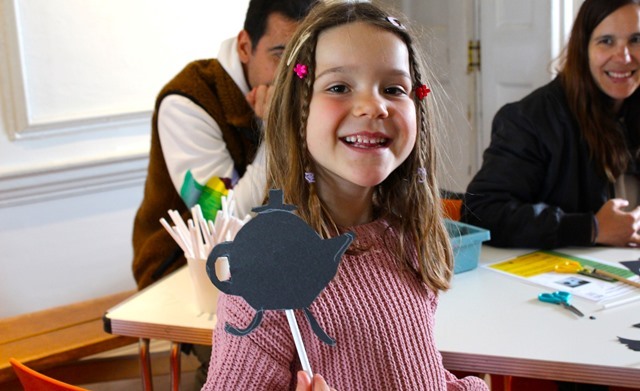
(364, 140)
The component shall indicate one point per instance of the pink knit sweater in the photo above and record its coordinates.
(382, 319)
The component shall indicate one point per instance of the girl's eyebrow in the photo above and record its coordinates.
(332, 70)
(342, 69)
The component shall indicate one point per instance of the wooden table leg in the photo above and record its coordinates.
(145, 364)
(175, 366)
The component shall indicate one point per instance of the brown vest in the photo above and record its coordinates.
(207, 84)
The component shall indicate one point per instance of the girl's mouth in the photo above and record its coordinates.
(362, 141)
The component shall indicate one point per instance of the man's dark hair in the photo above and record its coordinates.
(255, 22)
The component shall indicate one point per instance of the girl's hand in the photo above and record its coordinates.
(617, 227)
(304, 383)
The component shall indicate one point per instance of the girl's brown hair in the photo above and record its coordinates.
(411, 203)
(591, 107)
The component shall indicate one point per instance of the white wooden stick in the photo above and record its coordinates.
(297, 339)
(181, 226)
(224, 229)
(202, 222)
(197, 242)
(214, 233)
(174, 234)
(618, 302)
(218, 224)
(232, 208)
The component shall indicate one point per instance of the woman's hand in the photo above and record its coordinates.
(617, 227)
(305, 384)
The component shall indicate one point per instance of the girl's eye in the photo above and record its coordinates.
(338, 89)
(635, 38)
(396, 90)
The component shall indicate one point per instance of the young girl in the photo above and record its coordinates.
(350, 141)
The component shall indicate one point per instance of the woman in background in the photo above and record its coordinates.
(562, 167)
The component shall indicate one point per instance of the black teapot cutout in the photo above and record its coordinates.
(278, 262)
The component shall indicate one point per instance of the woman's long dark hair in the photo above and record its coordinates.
(590, 106)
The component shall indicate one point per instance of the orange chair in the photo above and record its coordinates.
(36, 381)
(452, 208)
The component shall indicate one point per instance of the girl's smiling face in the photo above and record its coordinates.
(362, 117)
(614, 53)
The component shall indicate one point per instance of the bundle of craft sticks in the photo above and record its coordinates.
(197, 236)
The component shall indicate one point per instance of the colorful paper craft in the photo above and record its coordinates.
(634, 266)
(631, 344)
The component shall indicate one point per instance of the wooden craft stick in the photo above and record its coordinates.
(617, 277)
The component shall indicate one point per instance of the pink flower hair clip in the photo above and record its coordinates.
(422, 91)
(301, 70)
(394, 21)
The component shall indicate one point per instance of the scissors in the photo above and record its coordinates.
(576, 267)
(568, 267)
(562, 298)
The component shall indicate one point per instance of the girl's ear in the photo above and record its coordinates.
(244, 47)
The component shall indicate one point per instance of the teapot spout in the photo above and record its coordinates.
(339, 244)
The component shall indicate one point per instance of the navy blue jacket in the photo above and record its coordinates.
(538, 186)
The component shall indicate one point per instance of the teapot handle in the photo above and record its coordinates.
(220, 250)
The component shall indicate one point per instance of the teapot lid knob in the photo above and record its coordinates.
(276, 202)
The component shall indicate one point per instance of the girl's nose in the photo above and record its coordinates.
(370, 104)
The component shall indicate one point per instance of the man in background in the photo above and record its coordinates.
(206, 135)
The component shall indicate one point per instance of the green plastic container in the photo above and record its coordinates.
(466, 240)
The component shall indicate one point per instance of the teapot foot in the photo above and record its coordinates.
(241, 332)
(318, 330)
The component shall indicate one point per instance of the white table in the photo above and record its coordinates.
(492, 323)
(487, 323)
(165, 310)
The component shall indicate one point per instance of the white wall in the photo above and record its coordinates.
(78, 80)
(77, 84)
